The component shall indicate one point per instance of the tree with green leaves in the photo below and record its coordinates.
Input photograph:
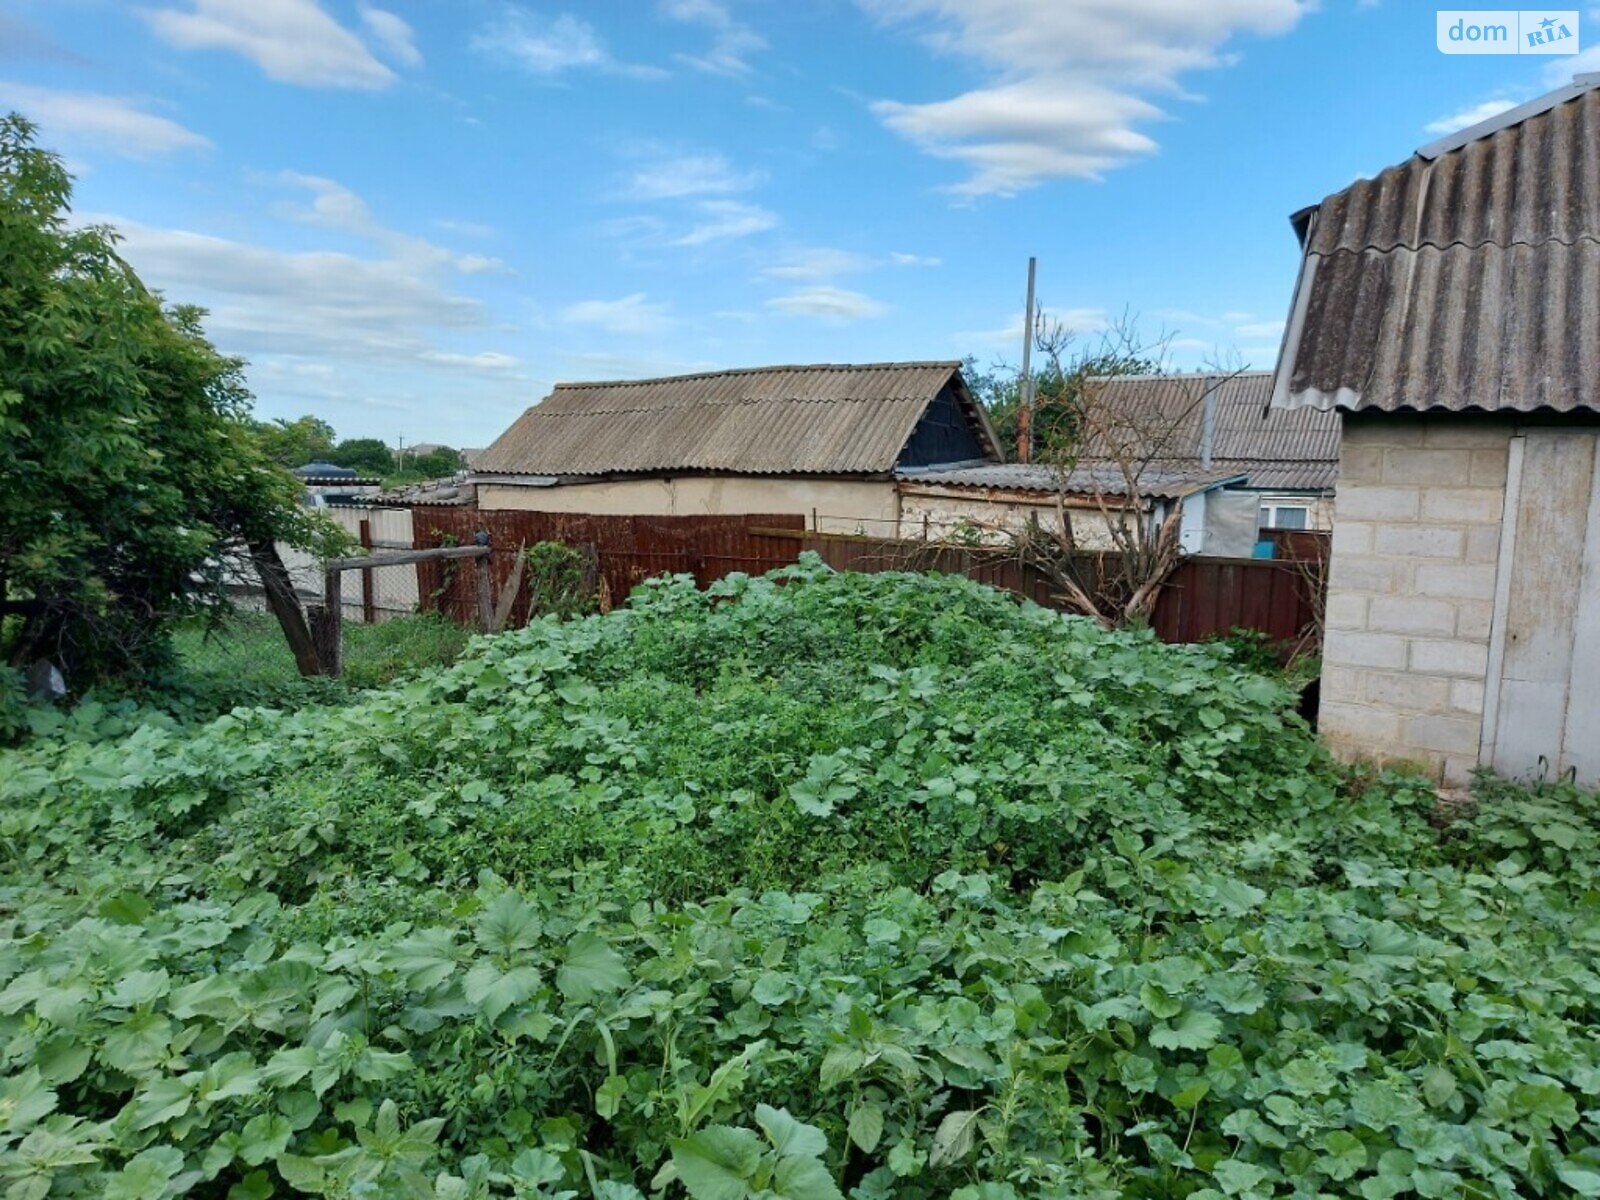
(295, 443)
(440, 461)
(133, 483)
(367, 455)
(1058, 381)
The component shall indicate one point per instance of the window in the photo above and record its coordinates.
(1285, 516)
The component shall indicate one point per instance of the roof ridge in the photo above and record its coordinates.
(1581, 84)
(909, 365)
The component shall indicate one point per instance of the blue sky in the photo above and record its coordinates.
(413, 216)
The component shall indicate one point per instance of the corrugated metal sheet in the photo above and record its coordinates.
(1466, 280)
(827, 419)
(1162, 418)
(1155, 481)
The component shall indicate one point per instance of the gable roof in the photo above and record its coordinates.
(823, 419)
(1162, 419)
(1467, 277)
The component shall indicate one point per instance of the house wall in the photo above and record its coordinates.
(841, 505)
(1416, 538)
(990, 515)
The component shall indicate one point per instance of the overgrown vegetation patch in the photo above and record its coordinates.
(873, 885)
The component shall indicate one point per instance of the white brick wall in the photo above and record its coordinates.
(1415, 544)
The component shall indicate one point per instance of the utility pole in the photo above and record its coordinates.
(1025, 384)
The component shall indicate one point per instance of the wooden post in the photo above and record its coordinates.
(508, 594)
(368, 608)
(285, 605)
(333, 627)
(480, 567)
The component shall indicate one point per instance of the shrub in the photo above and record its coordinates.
(803, 886)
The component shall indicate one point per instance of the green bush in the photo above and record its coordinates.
(804, 886)
(13, 704)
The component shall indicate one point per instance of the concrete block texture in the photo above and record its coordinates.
(1347, 610)
(1405, 693)
(1489, 467)
(1453, 734)
(1364, 502)
(1426, 466)
(1456, 581)
(1360, 574)
(1463, 505)
(1411, 614)
(1348, 648)
(1420, 541)
(1416, 550)
(1466, 660)
(1359, 727)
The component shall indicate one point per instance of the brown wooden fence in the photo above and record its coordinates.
(627, 550)
(1206, 597)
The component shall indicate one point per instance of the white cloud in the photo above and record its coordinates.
(674, 177)
(392, 34)
(625, 366)
(334, 206)
(1562, 67)
(551, 45)
(487, 360)
(1468, 116)
(475, 229)
(1069, 78)
(828, 303)
(292, 41)
(818, 263)
(634, 315)
(724, 219)
(1260, 329)
(732, 41)
(481, 264)
(822, 263)
(1008, 337)
(311, 306)
(118, 123)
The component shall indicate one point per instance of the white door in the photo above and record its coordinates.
(1546, 719)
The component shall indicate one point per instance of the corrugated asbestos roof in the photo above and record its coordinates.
(1467, 277)
(1161, 418)
(1155, 481)
(826, 419)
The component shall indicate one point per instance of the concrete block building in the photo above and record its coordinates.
(1449, 310)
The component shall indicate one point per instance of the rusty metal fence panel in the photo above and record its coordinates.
(626, 550)
(1206, 597)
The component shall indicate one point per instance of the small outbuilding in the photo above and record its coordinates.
(1449, 311)
(326, 483)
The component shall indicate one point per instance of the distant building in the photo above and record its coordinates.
(326, 483)
(822, 441)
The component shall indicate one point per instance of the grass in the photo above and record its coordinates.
(247, 661)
